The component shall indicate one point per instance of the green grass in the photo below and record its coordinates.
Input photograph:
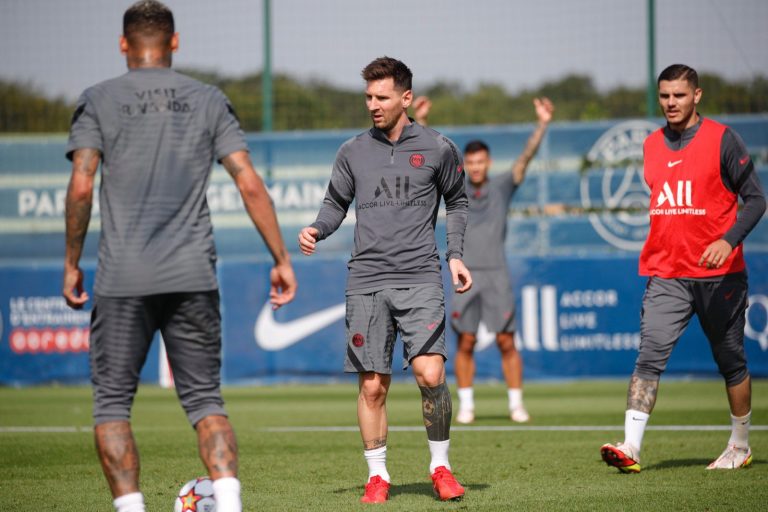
(325, 471)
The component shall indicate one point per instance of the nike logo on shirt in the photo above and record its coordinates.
(273, 335)
(744, 160)
(671, 164)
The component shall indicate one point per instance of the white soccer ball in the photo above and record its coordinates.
(196, 496)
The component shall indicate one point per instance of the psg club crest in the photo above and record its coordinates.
(416, 160)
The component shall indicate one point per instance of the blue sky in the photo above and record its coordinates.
(62, 47)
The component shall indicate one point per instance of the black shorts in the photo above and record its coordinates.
(122, 329)
(668, 305)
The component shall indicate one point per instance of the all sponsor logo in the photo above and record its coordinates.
(613, 185)
(676, 199)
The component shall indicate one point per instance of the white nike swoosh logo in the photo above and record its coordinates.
(272, 335)
(672, 164)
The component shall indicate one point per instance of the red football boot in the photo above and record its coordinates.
(376, 490)
(445, 485)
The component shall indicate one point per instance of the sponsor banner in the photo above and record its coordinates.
(577, 317)
(41, 338)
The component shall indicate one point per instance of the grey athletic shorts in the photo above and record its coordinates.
(122, 329)
(669, 304)
(374, 320)
(490, 299)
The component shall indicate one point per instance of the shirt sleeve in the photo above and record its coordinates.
(505, 183)
(338, 197)
(84, 131)
(739, 176)
(450, 184)
(228, 137)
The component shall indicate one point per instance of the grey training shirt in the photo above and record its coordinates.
(158, 132)
(397, 189)
(487, 222)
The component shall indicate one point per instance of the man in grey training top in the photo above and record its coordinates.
(156, 133)
(396, 173)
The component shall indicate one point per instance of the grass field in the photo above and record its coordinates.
(291, 460)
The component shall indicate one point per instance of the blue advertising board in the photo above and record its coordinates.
(574, 272)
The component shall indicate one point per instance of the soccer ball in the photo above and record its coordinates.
(196, 496)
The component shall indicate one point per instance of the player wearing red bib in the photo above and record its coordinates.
(696, 170)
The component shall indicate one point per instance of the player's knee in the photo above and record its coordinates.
(430, 376)
(467, 343)
(647, 371)
(201, 404)
(373, 391)
(506, 343)
(734, 375)
(112, 404)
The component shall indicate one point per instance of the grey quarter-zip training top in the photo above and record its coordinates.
(397, 189)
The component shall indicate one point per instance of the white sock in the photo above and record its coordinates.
(226, 492)
(740, 430)
(133, 502)
(377, 462)
(439, 452)
(634, 427)
(466, 399)
(515, 398)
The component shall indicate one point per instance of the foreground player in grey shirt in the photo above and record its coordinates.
(156, 133)
(397, 172)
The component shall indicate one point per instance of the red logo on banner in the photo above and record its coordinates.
(49, 340)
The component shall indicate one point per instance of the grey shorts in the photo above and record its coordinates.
(490, 300)
(122, 329)
(374, 319)
(669, 304)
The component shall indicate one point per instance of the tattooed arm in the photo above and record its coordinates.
(544, 112)
(641, 395)
(259, 207)
(85, 164)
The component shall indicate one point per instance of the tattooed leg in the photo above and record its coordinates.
(641, 395)
(437, 409)
(218, 446)
(118, 455)
(372, 409)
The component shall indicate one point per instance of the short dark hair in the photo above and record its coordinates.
(474, 146)
(387, 67)
(680, 72)
(148, 19)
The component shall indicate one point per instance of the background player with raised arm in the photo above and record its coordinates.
(696, 169)
(396, 173)
(490, 300)
(156, 133)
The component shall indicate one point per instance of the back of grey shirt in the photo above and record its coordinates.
(397, 189)
(158, 132)
(487, 222)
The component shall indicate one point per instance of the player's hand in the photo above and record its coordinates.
(544, 109)
(462, 279)
(715, 254)
(73, 288)
(308, 240)
(283, 285)
(421, 108)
